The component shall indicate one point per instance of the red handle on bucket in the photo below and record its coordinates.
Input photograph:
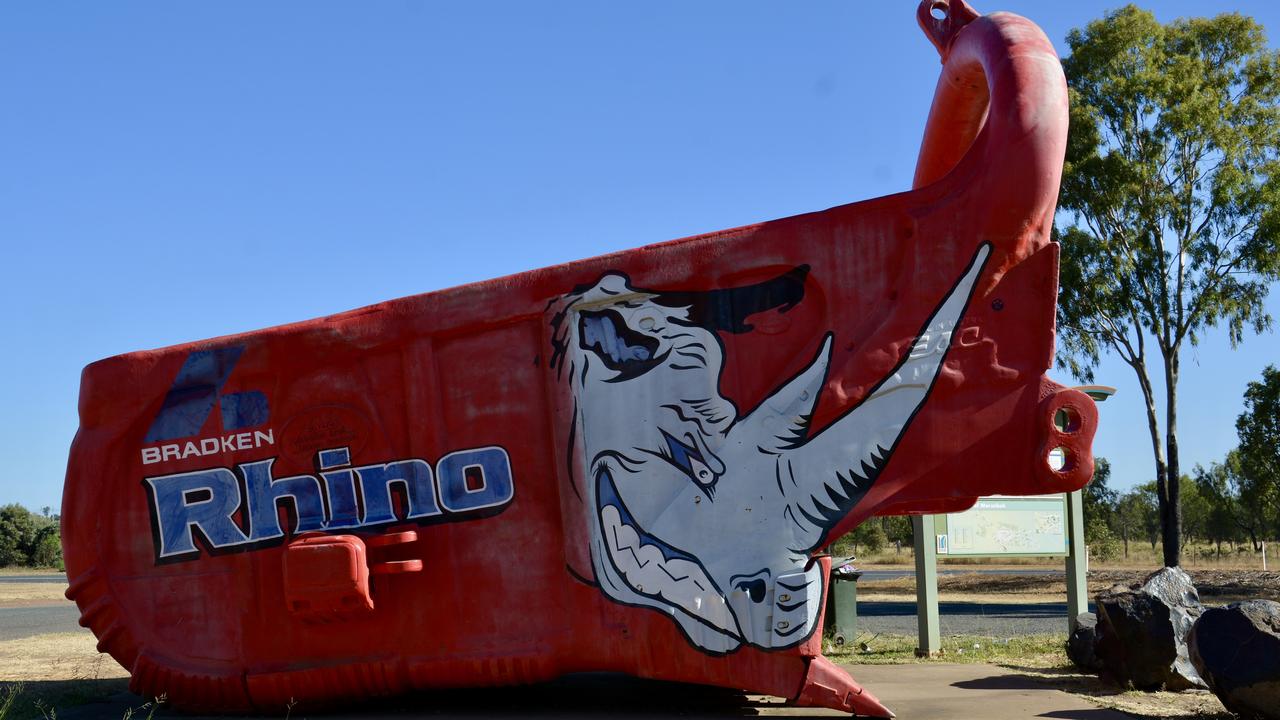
(1000, 108)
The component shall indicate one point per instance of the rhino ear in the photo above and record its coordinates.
(781, 422)
(727, 309)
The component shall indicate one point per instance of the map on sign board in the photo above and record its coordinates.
(1002, 525)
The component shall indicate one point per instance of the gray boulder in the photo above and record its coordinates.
(1237, 651)
(1080, 644)
(1142, 632)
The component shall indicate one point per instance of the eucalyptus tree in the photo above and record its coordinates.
(1259, 452)
(1169, 209)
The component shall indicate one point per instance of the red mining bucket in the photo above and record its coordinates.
(668, 436)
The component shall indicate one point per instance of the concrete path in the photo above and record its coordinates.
(915, 692)
(971, 692)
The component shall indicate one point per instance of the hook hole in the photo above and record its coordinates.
(1066, 420)
(1059, 459)
(938, 10)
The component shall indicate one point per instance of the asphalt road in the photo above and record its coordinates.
(895, 574)
(965, 618)
(58, 578)
(20, 622)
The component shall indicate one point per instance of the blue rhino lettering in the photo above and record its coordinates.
(200, 508)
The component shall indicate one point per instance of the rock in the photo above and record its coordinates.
(1142, 632)
(1237, 651)
(1080, 645)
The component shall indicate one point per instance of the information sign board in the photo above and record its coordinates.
(1007, 526)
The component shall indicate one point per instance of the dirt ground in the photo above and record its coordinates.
(1187, 705)
(16, 594)
(56, 656)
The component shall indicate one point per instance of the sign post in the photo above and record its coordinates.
(926, 541)
(1077, 560)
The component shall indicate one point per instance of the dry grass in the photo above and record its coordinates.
(20, 570)
(57, 671)
(56, 656)
(18, 593)
(962, 597)
(1041, 651)
(1141, 555)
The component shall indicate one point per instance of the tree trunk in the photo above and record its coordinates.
(1157, 449)
(1125, 535)
(1171, 507)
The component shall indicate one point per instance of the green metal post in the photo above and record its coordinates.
(926, 539)
(1077, 560)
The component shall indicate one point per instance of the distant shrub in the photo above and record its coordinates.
(869, 537)
(1103, 544)
(28, 539)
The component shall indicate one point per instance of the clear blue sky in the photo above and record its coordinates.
(176, 171)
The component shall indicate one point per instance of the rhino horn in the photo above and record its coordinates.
(833, 469)
(781, 422)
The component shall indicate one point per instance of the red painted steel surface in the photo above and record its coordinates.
(478, 486)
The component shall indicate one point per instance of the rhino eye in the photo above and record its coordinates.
(690, 460)
(622, 349)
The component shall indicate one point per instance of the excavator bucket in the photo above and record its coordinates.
(630, 463)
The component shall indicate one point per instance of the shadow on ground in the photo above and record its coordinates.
(587, 695)
(1187, 705)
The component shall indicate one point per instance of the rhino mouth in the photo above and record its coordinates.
(652, 568)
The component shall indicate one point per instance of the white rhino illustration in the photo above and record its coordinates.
(694, 509)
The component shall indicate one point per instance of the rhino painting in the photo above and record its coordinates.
(703, 512)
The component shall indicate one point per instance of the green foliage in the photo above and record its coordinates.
(1258, 459)
(1196, 510)
(898, 530)
(1135, 517)
(1103, 544)
(869, 537)
(1234, 514)
(1171, 179)
(17, 533)
(1149, 512)
(28, 539)
(1099, 500)
(1170, 202)
(47, 549)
